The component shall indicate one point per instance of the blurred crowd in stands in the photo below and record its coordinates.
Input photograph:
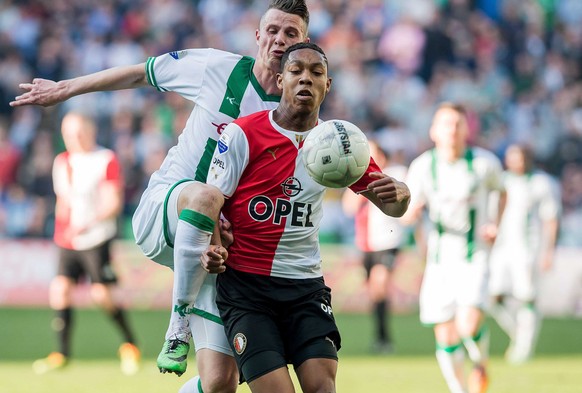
(516, 64)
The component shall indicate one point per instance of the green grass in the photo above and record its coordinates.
(25, 335)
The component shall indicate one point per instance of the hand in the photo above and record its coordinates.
(388, 189)
(40, 92)
(488, 233)
(212, 260)
(546, 262)
(226, 235)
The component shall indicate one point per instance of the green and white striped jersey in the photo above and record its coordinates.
(222, 86)
(456, 194)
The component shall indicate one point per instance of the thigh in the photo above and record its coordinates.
(309, 329)
(317, 375)
(209, 334)
(97, 264)
(155, 220)
(437, 300)
(256, 343)
(472, 279)
(217, 370)
(69, 264)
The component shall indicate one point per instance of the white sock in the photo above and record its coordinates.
(192, 386)
(192, 238)
(504, 318)
(478, 346)
(526, 334)
(451, 361)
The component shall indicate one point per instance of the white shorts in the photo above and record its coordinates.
(155, 221)
(453, 282)
(208, 334)
(513, 272)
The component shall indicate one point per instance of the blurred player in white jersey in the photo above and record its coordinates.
(271, 294)
(455, 183)
(223, 86)
(379, 237)
(524, 247)
(89, 190)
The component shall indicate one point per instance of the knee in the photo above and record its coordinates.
(59, 292)
(201, 197)
(220, 383)
(326, 385)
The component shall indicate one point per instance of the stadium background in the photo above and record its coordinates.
(516, 64)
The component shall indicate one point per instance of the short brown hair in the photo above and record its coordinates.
(295, 7)
(459, 108)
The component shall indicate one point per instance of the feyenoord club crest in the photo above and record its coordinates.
(240, 343)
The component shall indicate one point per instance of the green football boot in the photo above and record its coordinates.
(174, 357)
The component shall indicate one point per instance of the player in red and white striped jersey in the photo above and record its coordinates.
(89, 190)
(271, 294)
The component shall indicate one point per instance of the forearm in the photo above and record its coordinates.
(395, 209)
(118, 78)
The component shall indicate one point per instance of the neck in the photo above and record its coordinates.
(295, 121)
(452, 154)
(267, 78)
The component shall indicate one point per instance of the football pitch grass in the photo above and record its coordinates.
(25, 335)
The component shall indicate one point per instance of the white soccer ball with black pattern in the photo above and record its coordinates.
(336, 153)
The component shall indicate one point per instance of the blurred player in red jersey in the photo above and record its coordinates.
(379, 237)
(88, 186)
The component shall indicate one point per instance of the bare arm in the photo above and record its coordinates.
(45, 92)
(388, 194)
(550, 237)
(111, 202)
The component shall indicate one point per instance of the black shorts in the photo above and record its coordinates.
(94, 263)
(385, 257)
(271, 322)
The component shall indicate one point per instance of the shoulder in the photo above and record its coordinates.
(485, 155)
(253, 120)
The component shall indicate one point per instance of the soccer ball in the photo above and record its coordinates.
(336, 153)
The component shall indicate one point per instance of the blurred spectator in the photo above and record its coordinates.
(9, 158)
(516, 64)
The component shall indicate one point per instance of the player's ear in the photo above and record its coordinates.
(328, 87)
(280, 81)
(257, 36)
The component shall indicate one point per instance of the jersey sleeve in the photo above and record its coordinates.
(415, 181)
(181, 71)
(113, 171)
(550, 206)
(230, 159)
(362, 184)
(494, 173)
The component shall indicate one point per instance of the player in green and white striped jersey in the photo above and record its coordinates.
(455, 183)
(223, 86)
(523, 249)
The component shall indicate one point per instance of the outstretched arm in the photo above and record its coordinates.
(390, 195)
(45, 92)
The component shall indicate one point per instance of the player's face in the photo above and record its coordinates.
(449, 129)
(515, 160)
(278, 31)
(78, 135)
(304, 80)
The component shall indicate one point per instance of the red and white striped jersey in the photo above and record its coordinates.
(77, 180)
(274, 206)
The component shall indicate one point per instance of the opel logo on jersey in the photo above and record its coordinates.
(239, 343)
(263, 208)
(291, 186)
